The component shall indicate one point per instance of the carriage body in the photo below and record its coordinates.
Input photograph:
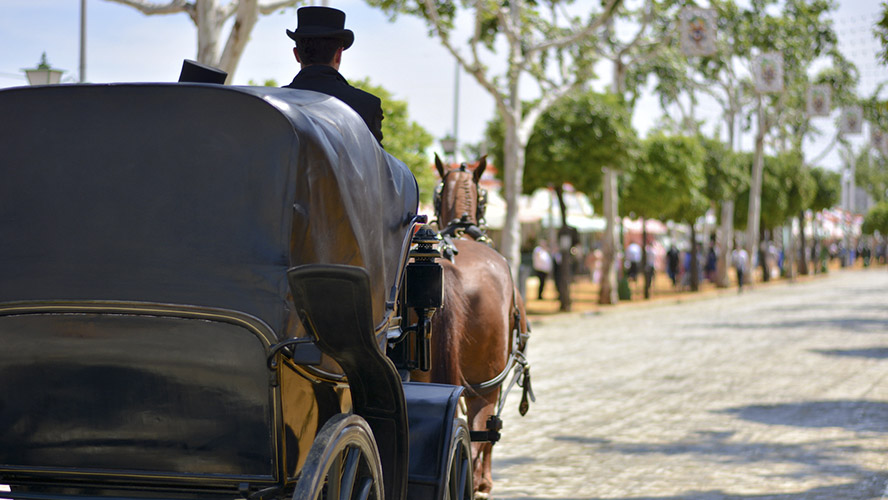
(177, 263)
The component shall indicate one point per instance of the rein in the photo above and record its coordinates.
(518, 363)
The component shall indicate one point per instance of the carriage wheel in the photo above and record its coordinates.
(343, 463)
(459, 469)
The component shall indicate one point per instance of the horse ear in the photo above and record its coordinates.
(439, 166)
(482, 164)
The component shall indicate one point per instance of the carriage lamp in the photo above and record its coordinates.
(424, 290)
(43, 74)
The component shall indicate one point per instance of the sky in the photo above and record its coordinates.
(123, 45)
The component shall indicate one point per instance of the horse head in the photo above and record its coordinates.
(459, 199)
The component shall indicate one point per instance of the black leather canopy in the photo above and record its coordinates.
(192, 194)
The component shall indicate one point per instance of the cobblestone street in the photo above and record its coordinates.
(777, 393)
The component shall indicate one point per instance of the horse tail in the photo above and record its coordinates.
(448, 324)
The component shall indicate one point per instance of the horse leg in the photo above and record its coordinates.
(480, 408)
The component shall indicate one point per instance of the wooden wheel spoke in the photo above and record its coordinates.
(365, 490)
(345, 463)
(463, 476)
(349, 473)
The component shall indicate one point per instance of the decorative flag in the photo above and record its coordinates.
(851, 121)
(698, 28)
(819, 100)
(768, 71)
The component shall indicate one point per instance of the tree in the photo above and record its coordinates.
(871, 173)
(725, 179)
(629, 50)
(542, 42)
(210, 16)
(571, 143)
(404, 139)
(667, 184)
(803, 33)
(787, 187)
(826, 195)
(876, 219)
(881, 32)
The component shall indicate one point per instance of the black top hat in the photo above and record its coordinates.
(195, 72)
(321, 22)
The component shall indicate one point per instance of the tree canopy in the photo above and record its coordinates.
(667, 182)
(827, 188)
(881, 32)
(871, 173)
(571, 142)
(787, 188)
(724, 172)
(876, 219)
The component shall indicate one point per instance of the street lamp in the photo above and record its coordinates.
(448, 143)
(43, 74)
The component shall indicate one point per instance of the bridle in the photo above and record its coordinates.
(480, 206)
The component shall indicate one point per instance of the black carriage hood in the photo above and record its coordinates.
(192, 194)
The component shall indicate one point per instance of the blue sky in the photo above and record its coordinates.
(125, 46)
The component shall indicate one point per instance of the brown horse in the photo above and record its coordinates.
(480, 333)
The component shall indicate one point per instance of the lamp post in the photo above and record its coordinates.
(43, 74)
(448, 144)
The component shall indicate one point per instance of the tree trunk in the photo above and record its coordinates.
(608, 290)
(559, 195)
(695, 266)
(208, 27)
(564, 245)
(764, 256)
(513, 170)
(789, 253)
(723, 278)
(244, 21)
(803, 255)
(755, 191)
(648, 277)
(514, 144)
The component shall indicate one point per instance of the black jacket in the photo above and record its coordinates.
(327, 80)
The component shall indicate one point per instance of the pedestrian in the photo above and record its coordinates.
(741, 259)
(633, 259)
(711, 262)
(320, 39)
(542, 265)
(672, 257)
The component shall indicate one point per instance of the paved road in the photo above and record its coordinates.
(779, 393)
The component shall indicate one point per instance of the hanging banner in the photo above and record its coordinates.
(851, 121)
(698, 28)
(819, 100)
(768, 69)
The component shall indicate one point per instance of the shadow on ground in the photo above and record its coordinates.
(870, 352)
(870, 487)
(817, 459)
(848, 324)
(855, 415)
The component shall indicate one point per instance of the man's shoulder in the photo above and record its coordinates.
(364, 95)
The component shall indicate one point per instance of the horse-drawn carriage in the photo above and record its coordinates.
(198, 287)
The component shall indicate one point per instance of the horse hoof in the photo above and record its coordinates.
(482, 495)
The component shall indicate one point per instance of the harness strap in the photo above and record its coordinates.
(518, 364)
